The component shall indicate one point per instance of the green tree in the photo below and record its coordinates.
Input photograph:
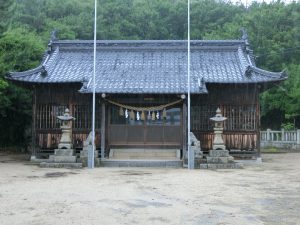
(20, 50)
(273, 29)
(5, 12)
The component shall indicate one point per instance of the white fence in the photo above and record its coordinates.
(281, 139)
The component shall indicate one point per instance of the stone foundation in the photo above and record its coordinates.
(220, 159)
(61, 165)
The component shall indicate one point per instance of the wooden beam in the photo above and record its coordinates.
(258, 124)
(33, 129)
(102, 130)
(184, 129)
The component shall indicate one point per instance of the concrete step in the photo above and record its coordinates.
(144, 153)
(142, 163)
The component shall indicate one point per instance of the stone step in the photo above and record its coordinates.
(64, 152)
(228, 159)
(61, 165)
(62, 159)
(218, 153)
(144, 158)
(142, 163)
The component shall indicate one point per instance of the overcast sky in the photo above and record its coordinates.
(267, 1)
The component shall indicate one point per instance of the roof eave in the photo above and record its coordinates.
(20, 75)
(272, 75)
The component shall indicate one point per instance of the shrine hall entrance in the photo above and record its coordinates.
(155, 130)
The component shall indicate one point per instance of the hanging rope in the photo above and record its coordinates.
(141, 109)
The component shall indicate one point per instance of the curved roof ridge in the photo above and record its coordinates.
(243, 61)
(151, 44)
(280, 75)
(237, 41)
(39, 69)
(50, 62)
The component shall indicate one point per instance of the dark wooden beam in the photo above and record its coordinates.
(184, 129)
(102, 130)
(33, 129)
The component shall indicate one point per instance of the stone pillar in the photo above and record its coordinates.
(87, 151)
(298, 137)
(268, 134)
(195, 148)
(282, 135)
(191, 157)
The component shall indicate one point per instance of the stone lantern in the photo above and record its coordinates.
(66, 140)
(64, 155)
(218, 119)
(218, 157)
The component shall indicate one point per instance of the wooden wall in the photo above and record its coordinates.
(51, 101)
(239, 103)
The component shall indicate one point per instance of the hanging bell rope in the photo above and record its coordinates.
(151, 108)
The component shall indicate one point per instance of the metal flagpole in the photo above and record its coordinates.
(91, 153)
(190, 153)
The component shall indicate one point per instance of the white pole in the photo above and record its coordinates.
(190, 158)
(91, 162)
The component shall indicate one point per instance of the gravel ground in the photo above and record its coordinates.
(268, 193)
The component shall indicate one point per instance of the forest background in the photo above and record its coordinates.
(25, 27)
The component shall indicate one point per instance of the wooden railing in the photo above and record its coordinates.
(271, 137)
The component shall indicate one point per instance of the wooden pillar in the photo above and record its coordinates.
(33, 129)
(184, 129)
(102, 130)
(258, 124)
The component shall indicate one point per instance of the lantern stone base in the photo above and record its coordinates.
(219, 147)
(219, 153)
(63, 152)
(65, 146)
(62, 158)
(220, 159)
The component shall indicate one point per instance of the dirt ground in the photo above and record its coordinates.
(259, 194)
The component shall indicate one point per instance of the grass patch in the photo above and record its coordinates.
(272, 150)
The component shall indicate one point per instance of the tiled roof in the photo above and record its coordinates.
(147, 66)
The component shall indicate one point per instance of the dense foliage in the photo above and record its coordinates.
(25, 27)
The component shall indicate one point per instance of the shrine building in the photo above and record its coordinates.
(141, 94)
